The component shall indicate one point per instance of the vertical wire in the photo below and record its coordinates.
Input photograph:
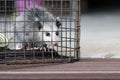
(55, 11)
(70, 25)
(43, 56)
(74, 21)
(52, 5)
(6, 21)
(33, 42)
(13, 42)
(61, 30)
(66, 29)
(74, 17)
(57, 8)
(24, 28)
(11, 10)
(79, 8)
(5, 16)
(77, 31)
(14, 32)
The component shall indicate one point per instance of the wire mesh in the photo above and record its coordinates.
(32, 36)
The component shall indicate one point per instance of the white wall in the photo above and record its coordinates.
(101, 34)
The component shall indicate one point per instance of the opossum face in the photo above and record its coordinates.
(51, 34)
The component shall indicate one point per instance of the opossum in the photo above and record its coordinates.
(36, 27)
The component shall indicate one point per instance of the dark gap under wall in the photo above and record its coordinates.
(88, 5)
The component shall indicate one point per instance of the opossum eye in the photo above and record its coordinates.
(57, 33)
(47, 34)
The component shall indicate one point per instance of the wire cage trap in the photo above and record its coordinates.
(27, 36)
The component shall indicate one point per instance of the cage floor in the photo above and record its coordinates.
(32, 57)
(83, 65)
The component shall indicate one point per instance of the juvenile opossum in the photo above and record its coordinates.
(36, 27)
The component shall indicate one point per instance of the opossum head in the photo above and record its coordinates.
(50, 32)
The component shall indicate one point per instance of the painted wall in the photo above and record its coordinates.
(100, 36)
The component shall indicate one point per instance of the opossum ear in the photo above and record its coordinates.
(38, 24)
(58, 23)
(36, 19)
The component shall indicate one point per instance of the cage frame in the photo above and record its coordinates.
(70, 59)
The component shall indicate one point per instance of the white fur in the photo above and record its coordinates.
(51, 28)
(35, 32)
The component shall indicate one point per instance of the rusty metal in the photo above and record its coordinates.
(77, 30)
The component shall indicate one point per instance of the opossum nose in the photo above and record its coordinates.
(55, 43)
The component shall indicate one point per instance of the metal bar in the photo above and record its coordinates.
(77, 30)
